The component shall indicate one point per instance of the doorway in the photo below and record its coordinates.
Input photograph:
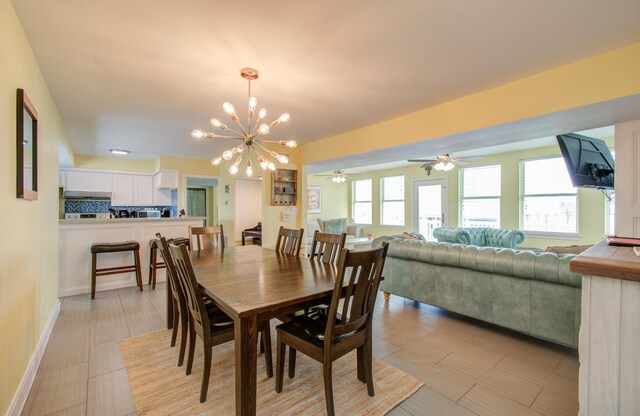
(247, 205)
(430, 202)
(202, 198)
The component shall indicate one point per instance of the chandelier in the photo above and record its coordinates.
(250, 136)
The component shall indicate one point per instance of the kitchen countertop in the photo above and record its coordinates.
(615, 262)
(121, 220)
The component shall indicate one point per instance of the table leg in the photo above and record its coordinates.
(243, 238)
(246, 338)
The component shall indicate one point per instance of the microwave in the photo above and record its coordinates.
(149, 214)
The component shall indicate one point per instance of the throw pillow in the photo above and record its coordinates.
(334, 226)
(413, 236)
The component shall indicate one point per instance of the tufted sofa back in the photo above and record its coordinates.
(541, 266)
(480, 236)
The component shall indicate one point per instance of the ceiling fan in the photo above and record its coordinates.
(339, 176)
(444, 162)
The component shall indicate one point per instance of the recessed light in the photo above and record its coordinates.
(120, 151)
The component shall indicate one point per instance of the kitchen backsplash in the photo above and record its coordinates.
(103, 206)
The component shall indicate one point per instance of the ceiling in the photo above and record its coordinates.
(141, 75)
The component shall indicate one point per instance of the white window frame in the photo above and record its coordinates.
(553, 234)
(383, 200)
(462, 197)
(354, 201)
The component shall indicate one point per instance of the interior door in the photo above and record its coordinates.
(430, 204)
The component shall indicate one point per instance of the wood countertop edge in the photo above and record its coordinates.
(125, 220)
(614, 262)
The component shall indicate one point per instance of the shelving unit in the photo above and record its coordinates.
(284, 187)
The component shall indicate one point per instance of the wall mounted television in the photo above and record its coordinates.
(589, 161)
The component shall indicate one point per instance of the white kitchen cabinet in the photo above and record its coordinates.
(166, 179)
(142, 190)
(122, 193)
(87, 181)
(162, 197)
(61, 178)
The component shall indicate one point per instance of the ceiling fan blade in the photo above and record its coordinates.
(422, 160)
(470, 158)
(459, 162)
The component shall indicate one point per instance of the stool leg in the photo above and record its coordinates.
(151, 262)
(93, 276)
(155, 268)
(138, 271)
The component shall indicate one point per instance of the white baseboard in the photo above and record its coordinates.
(20, 398)
(110, 285)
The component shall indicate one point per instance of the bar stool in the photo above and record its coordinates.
(100, 248)
(155, 262)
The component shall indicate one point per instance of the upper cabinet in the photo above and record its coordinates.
(88, 181)
(122, 194)
(142, 190)
(166, 179)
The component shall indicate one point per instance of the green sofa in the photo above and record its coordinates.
(480, 236)
(530, 292)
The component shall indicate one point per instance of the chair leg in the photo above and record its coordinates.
(360, 366)
(206, 372)
(292, 362)
(280, 353)
(136, 256)
(328, 387)
(192, 348)
(93, 276)
(368, 367)
(174, 332)
(183, 337)
(266, 341)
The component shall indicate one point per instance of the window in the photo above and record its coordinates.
(480, 196)
(392, 209)
(548, 199)
(362, 201)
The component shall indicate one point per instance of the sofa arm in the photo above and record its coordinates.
(452, 235)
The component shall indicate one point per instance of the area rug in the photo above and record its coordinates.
(160, 387)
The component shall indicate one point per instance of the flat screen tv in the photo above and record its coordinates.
(589, 161)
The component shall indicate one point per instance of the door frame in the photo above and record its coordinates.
(443, 182)
(186, 176)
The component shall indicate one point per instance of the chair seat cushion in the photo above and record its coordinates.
(217, 318)
(310, 326)
(114, 247)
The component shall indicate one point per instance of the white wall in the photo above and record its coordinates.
(247, 205)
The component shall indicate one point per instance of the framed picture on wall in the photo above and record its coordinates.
(314, 199)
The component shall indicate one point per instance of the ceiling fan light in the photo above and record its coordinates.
(227, 155)
(335, 179)
(233, 169)
(216, 161)
(282, 159)
(249, 171)
(448, 166)
(284, 118)
(439, 166)
(264, 129)
(291, 143)
(253, 102)
(229, 108)
(262, 113)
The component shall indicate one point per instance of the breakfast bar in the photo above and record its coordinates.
(77, 236)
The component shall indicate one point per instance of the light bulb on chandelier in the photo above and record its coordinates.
(251, 136)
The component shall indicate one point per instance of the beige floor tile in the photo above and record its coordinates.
(109, 394)
(399, 411)
(569, 367)
(79, 410)
(434, 377)
(383, 349)
(507, 384)
(57, 390)
(65, 351)
(545, 378)
(427, 402)
(109, 330)
(486, 402)
(105, 358)
(451, 342)
(549, 402)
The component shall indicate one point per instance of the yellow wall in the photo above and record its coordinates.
(601, 78)
(124, 163)
(591, 203)
(335, 198)
(29, 251)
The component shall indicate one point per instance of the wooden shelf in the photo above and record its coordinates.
(283, 187)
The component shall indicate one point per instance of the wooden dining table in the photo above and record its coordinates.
(252, 284)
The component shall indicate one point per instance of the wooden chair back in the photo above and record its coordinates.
(192, 294)
(289, 241)
(327, 247)
(361, 271)
(172, 274)
(207, 237)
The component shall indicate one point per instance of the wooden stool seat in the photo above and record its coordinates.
(114, 247)
(102, 248)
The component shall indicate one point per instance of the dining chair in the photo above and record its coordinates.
(206, 237)
(180, 310)
(326, 335)
(327, 247)
(289, 241)
(212, 325)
